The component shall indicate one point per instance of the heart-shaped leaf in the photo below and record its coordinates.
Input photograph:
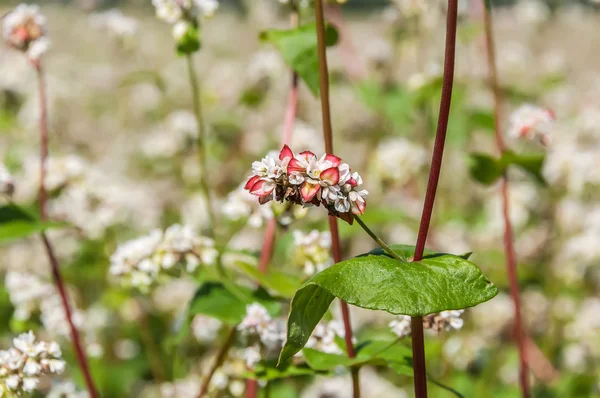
(437, 283)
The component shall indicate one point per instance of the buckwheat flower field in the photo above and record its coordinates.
(299, 199)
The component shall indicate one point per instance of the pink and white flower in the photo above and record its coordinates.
(24, 29)
(532, 122)
(307, 180)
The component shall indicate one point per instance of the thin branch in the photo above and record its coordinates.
(202, 144)
(54, 264)
(219, 359)
(418, 344)
(376, 238)
(511, 260)
(328, 135)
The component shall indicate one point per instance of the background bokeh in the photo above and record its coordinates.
(122, 164)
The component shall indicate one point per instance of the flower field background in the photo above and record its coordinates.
(143, 252)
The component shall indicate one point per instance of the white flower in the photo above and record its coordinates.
(24, 29)
(401, 326)
(66, 389)
(258, 322)
(180, 29)
(26, 361)
(143, 260)
(312, 251)
(323, 337)
(453, 319)
(252, 355)
(7, 185)
(531, 122)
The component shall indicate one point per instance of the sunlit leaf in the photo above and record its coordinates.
(437, 283)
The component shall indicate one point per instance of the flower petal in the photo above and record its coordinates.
(286, 152)
(251, 182)
(331, 175)
(335, 161)
(262, 188)
(308, 191)
(295, 166)
(307, 155)
(358, 207)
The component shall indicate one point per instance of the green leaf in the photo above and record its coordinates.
(18, 223)
(531, 163)
(485, 169)
(213, 299)
(437, 283)
(482, 119)
(279, 282)
(298, 48)
(408, 251)
(267, 371)
(390, 353)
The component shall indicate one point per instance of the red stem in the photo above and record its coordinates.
(511, 259)
(418, 344)
(55, 266)
(328, 136)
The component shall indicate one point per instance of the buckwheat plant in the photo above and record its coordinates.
(24, 29)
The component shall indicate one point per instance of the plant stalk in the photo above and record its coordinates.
(50, 252)
(418, 344)
(219, 359)
(511, 261)
(202, 145)
(378, 240)
(328, 136)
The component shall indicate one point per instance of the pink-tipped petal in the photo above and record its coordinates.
(359, 207)
(308, 191)
(352, 182)
(262, 188)
(286, 152)
(251, 182)
(295, 166)
(333, 159)
(307, 155)
(331, 175)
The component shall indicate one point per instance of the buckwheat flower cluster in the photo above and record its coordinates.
(22, 365)
(7, 185)
(312, 251)
(307, 180)
(143, 261)
(66, 389)
(532, 122)
(184, 14)
(259, 323)
(443, 321)
(24, 29)
(323, 337)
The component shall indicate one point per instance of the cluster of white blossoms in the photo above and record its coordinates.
(7, 184)
(258, 322)
(532, 122)
(323, 337)
(24, 29)
(445, 320)
(307, 180)
(22, 365)
(88, 197)
(66, 389)
(183, 14)
(312, 251)
(143, 261)
(399, 160)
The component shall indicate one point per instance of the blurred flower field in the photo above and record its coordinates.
(144, 242)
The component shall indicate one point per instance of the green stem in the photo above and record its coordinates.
(202, 144)
(381, 243)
